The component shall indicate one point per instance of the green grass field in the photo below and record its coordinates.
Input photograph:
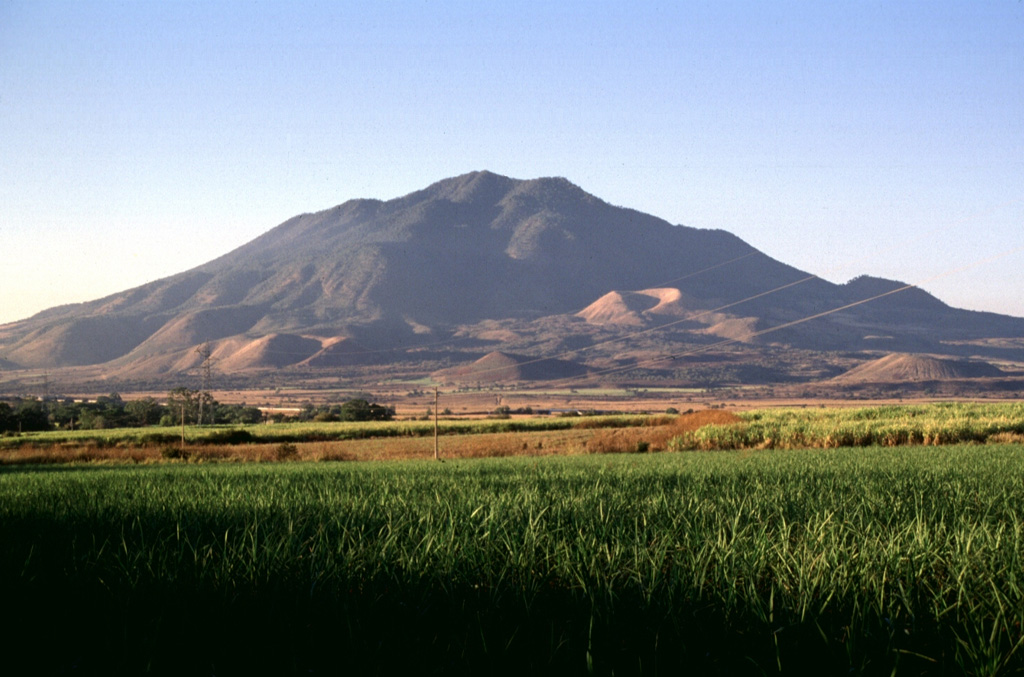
(893, 425)
(845, 561)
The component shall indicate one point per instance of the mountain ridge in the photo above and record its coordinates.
(470, 250)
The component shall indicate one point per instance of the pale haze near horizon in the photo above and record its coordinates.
(138, 140)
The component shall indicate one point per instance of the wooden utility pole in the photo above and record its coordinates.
(204, 352)
(183, 426)
(435, 424)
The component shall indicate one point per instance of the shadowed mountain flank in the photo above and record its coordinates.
(487, 257)
(71, 341)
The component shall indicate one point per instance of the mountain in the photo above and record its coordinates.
(476, 264)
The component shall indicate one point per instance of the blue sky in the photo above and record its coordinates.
(140, 139)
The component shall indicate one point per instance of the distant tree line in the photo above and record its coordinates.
(199, 407)
(354, 410)
(111, 411)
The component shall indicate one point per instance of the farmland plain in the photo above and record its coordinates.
(707, 429)
(870, 560)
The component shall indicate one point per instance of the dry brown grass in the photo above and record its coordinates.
(1006, 438)
(653, 435)
(619, 441)
(374, 449)
(79, 454)
(659, 437)
(450, 446)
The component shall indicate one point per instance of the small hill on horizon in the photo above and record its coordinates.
(903, 367)
(271, 351)
(498, 367)
(638, 308)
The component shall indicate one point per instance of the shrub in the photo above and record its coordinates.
(233, 436)
(617, 441)
(286, 451)
(157, 438)
(171, 453)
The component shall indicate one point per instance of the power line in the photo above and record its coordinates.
(787, 325)
(451, 342)
(697, 315)
(687, 318)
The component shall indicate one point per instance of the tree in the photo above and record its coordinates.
(7, 421)
(146, 411)
(361, 410)
(307, 411)
(65, 413)
(30, 414)
(236, 413)
(111, 400)
(111, 412)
